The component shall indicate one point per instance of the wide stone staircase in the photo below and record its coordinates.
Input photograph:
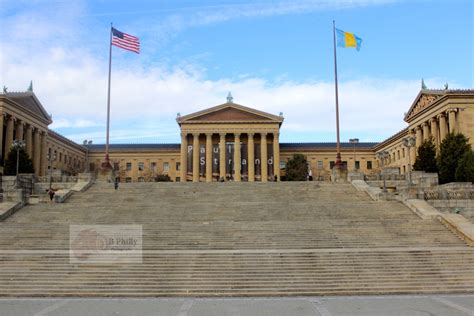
(235, 239)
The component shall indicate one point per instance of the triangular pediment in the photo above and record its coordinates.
(423, 101)
(30, 102)
(229, 112)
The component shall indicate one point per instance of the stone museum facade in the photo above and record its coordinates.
(212, 140)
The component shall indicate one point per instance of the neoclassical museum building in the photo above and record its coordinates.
(213, 139)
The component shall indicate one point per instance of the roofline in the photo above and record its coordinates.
(237, 106)
(443, 95)
(28, 94)
(391, 139)
(66, 140)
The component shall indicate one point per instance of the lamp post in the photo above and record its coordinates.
(18, 144)
(50, 158)
(382, 156)
(354, 142)
(409, 142)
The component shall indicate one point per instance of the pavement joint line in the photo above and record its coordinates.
(183, 311)
(454, 305)
(259, 251)
(51, 308)
(318, 305)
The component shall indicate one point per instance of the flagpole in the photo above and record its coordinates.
(107, 161)
(338, 144)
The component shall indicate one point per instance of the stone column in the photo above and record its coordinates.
(237, 158)
(434, 131)
(412, 152)
(9, 136)
(195, 157)
(442, 127)
(419, 137)
(264, 157)
(29, 141)
(276, 155)
(43, 153)
(184, 157)
(209, 157)
(426, 131)
(37, 152)
(251, 157)
(452, 120)
(19, 130)
(2, 152)
(222, 155)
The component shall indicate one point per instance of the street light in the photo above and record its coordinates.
(382, 156)
(409, 142)
(18, 144)
(354, 142)
(50, 157)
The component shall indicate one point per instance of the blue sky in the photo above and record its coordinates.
(275, 56)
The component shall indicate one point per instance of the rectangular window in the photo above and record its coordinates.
(398, 154)
(403, 152)
(178, 166)
(357, 164)
(320, 164)
(128, 180)
(282, 165)
(141, 166)
(369, 165)
(129, 166)
(166, 166)
(153, 166)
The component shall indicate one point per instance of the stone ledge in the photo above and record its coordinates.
(459, 225)
(375, 193)
(8, 208)
(422, 209)
(62, 195)
(81, 186)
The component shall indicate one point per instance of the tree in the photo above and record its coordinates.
(453, 147)
(25, 163)
(426, 158)
(465, 169)
(296, 168)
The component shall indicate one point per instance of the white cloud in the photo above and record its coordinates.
(71, 81)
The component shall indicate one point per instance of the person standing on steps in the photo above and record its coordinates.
(116, 183)
(51, 192)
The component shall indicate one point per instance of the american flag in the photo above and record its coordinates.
(125, 41)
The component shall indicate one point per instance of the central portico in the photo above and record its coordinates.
(214, 139)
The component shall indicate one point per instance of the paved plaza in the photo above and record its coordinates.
(436, 305)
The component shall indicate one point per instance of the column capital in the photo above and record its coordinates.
(184, 134)
(440, 115)
(452, 110)
(250, 134)
(434, 120)
(424, 124)
(237, 135)
(263, 133)
(209, 134)
(222, 134)
(196, 134)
